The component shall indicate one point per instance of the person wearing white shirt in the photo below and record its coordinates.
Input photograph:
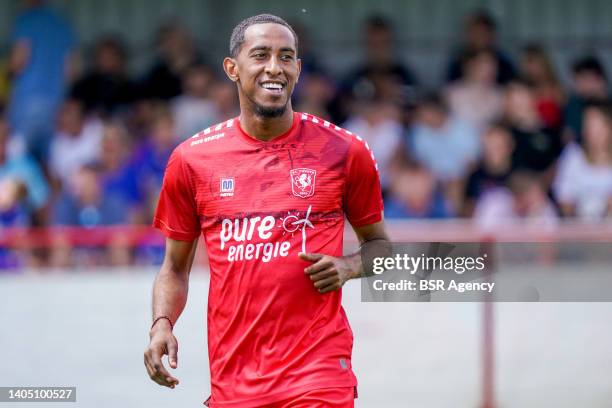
(583, 184)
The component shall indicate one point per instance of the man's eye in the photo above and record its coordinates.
(287, 57)
(259, 55)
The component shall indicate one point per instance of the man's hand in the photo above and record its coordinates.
(162, 343)
(169, 298)
(328, 272)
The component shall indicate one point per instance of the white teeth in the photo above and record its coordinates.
(269, 85)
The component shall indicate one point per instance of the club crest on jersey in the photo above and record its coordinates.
(303, 182)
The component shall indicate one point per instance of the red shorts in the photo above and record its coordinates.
(343, 397)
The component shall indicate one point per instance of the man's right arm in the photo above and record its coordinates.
(169, 298)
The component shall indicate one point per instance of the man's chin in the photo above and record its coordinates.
(270, 112)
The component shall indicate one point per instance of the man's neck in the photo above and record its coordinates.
(265, 129)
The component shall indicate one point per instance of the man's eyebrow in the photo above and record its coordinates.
(267, 48)
(260, 48)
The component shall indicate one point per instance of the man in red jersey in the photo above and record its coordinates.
(269, 190)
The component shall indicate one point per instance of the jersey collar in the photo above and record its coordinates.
(289, 134)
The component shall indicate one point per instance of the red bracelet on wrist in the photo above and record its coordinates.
(162, 317)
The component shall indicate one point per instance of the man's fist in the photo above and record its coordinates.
(327, 272)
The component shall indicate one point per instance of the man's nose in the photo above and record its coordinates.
(273, 66)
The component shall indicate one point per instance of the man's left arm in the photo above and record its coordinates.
(329, 273)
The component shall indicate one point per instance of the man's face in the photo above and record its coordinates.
(378, 42)
(497, 145)
(86, 186)
(431, 115)
(480, 36)
(70, 119)
(266, 68)
(597, 131)
(482, 69)
(590, 85)
(109, 61)
(520, 105)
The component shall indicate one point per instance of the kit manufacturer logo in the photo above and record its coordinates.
(227, 187)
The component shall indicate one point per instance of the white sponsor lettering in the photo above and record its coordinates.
(207, 138)
(236, 235)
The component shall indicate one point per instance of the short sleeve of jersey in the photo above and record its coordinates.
(176, 215)
(363, 203)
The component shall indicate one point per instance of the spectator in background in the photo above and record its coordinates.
(83, 203)
(315, 94)
(5, 82)
(23, 188)
(525, 202)
(537, 69)
(446, 145)
(106, 88)
(12, 211)
(12, 214)
(139, 121)
(309, 58)
(589, 84)
(41, 64)
(226, 100)
(118, 172)
(152, 155)
(480, 35)
(195, 110)
(414, 194)
(176, 53)
(316, 90)
(76, 142)
(493, 169)
(583, 185)
(380, 76)
(536, 146)
(476, 97)
(23, 196)
(377, 122)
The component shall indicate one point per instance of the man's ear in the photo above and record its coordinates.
(231, 68)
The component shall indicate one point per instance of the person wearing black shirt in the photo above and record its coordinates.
(107, 87)
(536, 147)
(480, 35)
(493, 169)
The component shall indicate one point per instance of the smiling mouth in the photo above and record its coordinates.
(273, 87)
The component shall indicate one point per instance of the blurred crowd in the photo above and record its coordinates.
(84, 141)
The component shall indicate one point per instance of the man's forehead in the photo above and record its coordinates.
(268, 35)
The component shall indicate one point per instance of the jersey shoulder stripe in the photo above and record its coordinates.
(339, 131)
(210, 134)
(215, 128)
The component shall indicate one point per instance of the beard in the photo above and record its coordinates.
(269, 113)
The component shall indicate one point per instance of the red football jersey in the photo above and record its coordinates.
(271, 334)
